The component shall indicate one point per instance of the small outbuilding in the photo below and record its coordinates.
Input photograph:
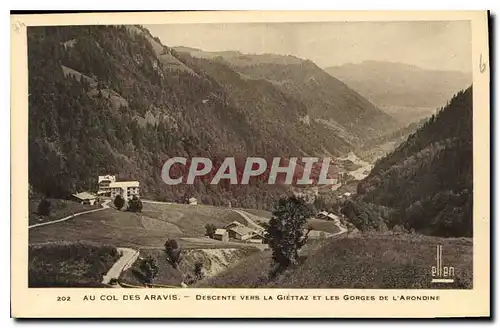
(241, 233)
(222, 235)
(322, 215)
(332, 217)
(233, 225)
(85, 198)
(257, 238)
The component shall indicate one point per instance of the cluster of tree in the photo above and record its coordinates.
(327, 202)
(446, 214)
(366, 216)
(427, 181)
(134, 204)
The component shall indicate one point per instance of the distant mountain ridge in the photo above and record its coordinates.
(328, 100)
(406, 91)
(238, 58)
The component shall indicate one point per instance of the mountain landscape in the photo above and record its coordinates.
(114, 99)
(426, 184)
(329, 102)
(406, 92)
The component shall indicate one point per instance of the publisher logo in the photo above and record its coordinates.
(442, 273)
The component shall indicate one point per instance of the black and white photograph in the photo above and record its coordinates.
(305, 160)
(252, 164)
(383, 108)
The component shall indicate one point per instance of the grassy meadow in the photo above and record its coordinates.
(151, 228)
(60, 208)
(362, 261)
(261, 213)
(190, 219)
(108, 226)
(71, 253)
(69, 264)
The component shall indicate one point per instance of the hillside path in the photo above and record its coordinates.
(104, 206)
(128, 257)
(254, 225)
(156, 202)
(249, 220)
(342, 230)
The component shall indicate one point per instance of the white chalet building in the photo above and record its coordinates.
(127, 189)
(103, 183)
(108, 186)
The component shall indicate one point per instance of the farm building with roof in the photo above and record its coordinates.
(222, 235)
(241, 232)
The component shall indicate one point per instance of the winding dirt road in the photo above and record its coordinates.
(247, 218)
(254, 225)
(128, 257)
(104, 206)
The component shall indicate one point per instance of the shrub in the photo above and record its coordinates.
(173, 251)
(198, 270)
(134, 205)
(119, 202)
(210, 230)
(44, 207)
(149, 269)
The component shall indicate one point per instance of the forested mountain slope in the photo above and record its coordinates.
(428, 180)
(329, 101)
(113, 99)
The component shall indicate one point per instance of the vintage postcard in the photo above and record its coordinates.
(251, 164)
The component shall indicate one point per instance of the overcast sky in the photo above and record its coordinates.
(433, 45)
